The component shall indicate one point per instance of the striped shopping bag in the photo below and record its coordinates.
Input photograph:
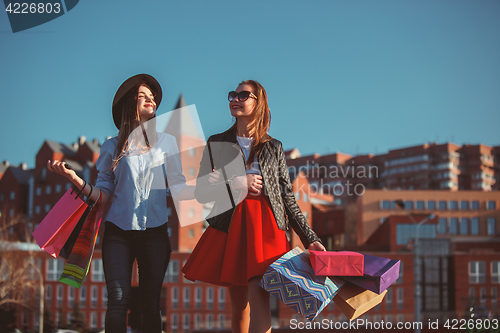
(78, 263)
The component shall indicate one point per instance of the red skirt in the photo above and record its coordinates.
(253, 242)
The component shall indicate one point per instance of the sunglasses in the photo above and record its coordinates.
(242, 95)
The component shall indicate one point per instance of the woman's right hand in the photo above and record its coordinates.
(62, 169)
(252, 181)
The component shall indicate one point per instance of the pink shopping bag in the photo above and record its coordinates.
(56, 227)
(337, 263)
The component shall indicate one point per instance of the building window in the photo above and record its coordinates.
(210, 321)
(483, 296)
(83, 297)
(93, 320)
(495, 272)
(401, 270)
(47, 208)
(58, 188)
(388, 299)
(191, 233)
(12, 195)
(187, 298)
(491, 205)
(453, 226)
(442, 205)
(48, 294)
(464, 205)
(186, 322)
(442, 223)
(198, 293)
(37, 209)
(431, 205)
(94, 297)
(306, 197)
(192, 172)
(97, 270)
(385, 204)
(419, 205)
(175, 321)
(464, 226)
(191, 212)
(491, 226)
(474, 226)
(400, 298)
(222, 298)
(172, 274)
(210, 298)
(297, 195)
(60, 295)
(47, 189)
(222, 320)
(54, 269)
(197, 321)
(406, 232)
(175, 297)
(104, 297)
(68, 186)
(408, 204)
(477, 272)
(38, 191)
(494, 298)
(71, 297)
(474, 205)
(452, 205)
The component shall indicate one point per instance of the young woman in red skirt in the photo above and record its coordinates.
(253, 206)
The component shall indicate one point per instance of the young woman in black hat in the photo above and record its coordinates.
(131, 173)
(244, 240)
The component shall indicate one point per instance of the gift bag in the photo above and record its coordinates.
(55, 229)
(78, 263)
(379, 274)
(341, 263)
(354, 301)
(292, 280)
(68, 246)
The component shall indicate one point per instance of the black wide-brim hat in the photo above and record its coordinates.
(129, 84)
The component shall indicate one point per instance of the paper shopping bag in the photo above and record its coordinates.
(55, 229)
(292, 280)
(355, 301)
(338, 263)
(78, 263)
(379, 274)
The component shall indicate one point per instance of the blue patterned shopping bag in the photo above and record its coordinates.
(292, 280)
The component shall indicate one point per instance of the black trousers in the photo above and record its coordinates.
(120, 248)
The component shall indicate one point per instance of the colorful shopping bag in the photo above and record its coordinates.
(292, 280)
(354, 301)
(78, 263)
(55, 229)
(337, 263)
(379, 274)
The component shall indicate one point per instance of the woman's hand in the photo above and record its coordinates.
(62, 169)
(213, 177)
(251, 181)
(316, 246)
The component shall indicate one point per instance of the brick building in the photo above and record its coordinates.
(460, 243)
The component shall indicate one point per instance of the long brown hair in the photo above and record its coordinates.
(259, 126)
(130, 121)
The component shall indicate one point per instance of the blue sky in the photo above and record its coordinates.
(352, 76)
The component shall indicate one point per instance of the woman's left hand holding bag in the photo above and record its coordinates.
(63, 169)
(316, 246)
